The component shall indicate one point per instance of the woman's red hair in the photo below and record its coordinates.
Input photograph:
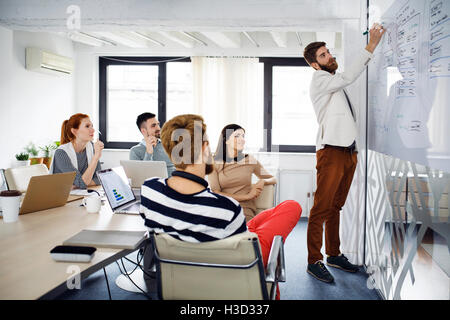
(73, 123)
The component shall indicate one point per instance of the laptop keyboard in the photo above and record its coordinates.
(137, 193)
(132, 209)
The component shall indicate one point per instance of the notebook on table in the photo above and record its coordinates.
(107, 239)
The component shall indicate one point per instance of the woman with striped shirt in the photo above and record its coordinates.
(77, 152)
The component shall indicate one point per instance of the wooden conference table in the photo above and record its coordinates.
(27, 270)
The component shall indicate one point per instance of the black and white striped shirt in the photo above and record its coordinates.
(199, 217)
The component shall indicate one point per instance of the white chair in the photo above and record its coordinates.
(18, 178)
(231, 268)
(266, 199)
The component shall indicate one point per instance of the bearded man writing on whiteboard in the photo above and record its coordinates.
(336, 150)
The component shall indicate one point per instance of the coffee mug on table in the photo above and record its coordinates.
(92, 203)
(10, 201)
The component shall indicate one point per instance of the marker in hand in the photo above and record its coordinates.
(367, 31)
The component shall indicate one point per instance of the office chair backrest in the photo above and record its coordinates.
(18, 178)
(266, 199)
(231, 268)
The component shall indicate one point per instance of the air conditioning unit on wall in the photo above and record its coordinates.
(43, 61)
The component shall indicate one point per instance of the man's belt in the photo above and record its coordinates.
(350, 149)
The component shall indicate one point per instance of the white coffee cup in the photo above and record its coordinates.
(92, 203)
(10, 208)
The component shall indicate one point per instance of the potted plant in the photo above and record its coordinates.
(22, 159)
(47, 153)
(33, 152)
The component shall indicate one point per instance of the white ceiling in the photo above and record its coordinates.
(195, 27)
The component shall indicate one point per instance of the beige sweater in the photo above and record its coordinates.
(236, 178)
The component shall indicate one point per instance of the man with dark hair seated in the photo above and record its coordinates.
(150, 148)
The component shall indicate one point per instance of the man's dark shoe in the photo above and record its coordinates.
(341, 262)
(320, 272)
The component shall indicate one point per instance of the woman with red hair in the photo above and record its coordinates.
(77, 152)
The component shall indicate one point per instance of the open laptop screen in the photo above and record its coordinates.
(116, 187)
(3, 183)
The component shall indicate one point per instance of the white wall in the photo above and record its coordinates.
(86, 84)
(6, 54)
(32, 105)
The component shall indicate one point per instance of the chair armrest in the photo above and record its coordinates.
(266, 199)
(276, 269)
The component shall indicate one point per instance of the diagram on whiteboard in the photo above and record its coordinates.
(409, 84)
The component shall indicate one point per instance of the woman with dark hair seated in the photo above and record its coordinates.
(233, 171)
(232, 177)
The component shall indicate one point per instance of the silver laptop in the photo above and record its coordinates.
(3, 182)
(118, 192)
(139, 171)
(47, 191)
(3, 186)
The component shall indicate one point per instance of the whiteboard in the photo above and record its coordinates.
(409, 82)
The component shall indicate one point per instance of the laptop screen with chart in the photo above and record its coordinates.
(116, 187)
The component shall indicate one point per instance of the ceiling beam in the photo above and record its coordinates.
(224, 39)
(148, 38)
(308, 37)
(299, 38)
(88, 39)
(124, 38)
(196, 39)
(328, 37)
(178, 38)
(251, 39)
(280, 38)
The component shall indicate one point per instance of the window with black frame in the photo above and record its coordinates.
(289, 117)
(130, 86)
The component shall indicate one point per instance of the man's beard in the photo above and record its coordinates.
(158, 134)
(209, 168)
(209, 165)
(330, 67)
